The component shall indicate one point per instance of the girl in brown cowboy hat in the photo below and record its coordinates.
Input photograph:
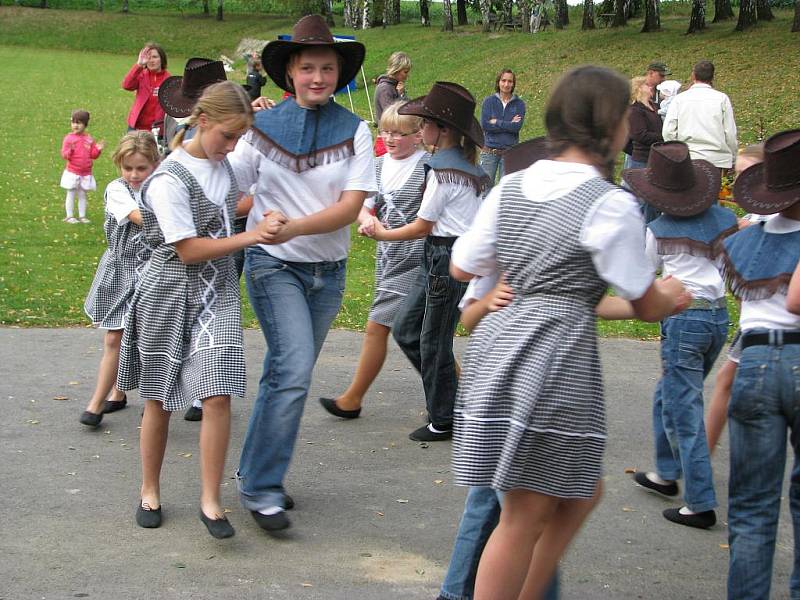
(454, 185)
(311, 162)
(530, 418)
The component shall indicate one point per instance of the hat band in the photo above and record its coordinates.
(305, 40)
(680, 187)
(783, 185)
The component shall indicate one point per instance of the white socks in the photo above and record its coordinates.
(271, 510)
(433, 429)
(656, 479)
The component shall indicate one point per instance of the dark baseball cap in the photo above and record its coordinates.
(660, 67)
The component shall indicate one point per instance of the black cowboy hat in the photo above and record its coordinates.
(177, 95)
(524, 154)
(448, 103)
(774, 185)
(311, 32)
(673, 182)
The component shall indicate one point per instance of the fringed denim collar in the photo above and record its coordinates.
(700, 235)
(450, 166)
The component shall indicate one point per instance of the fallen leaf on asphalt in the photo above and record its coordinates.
(366, 554)
(74, 382)
(60, 398)
(628, 509)
(71, 473)
(226, 510)
(179, 565)
(420, 571)
(33, 421)
(630, 470)
(724, 546)
(401, 501)
(438, 481)
(307, 584)
(423, 445)
(186, 455)
(73, 491)
(70, 447)
(380, 514)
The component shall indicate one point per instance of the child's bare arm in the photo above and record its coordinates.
(614, 308)
(498, 298)
(135, 217)
(420, 228)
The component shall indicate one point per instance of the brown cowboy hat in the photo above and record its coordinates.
(673, 182)
(774, 185)
(450, 104)
(524, 154)
(311, 32)
(177, 95)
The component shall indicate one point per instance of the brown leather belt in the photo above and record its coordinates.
(495, 151)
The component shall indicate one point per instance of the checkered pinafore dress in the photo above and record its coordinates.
(530, 412)
(117, 272)
(183, 339)
(396, 263)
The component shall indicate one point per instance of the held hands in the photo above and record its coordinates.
(674, 288)
(372, 228)
(502, 295)
(273, 229)
(262, 103)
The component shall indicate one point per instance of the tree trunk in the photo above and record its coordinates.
(525, 14)
(327, 12)
(652, 16)
(206, 9)
(352, 14)
(508, 11)
(124, 6)
(366, 15)
(747, 15)
(425, 15)
(796, 23)
(461, 12)
(722, 11)
(43, 4)
(588, 15)
(100, 5)
(763, 11)
(620, 19)
(395, 11)
(447, 16)
(697, 22)
(562, 17)
(486, 7)
(219, 10)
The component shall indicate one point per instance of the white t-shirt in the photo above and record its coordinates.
(699, 275)
(302, 194)
(169, 198)
(613, 232)
(394, 174)
(120, 203)
(478, 287)
(450, 206)
(770, 313)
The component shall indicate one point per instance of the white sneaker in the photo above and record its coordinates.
(71, 220)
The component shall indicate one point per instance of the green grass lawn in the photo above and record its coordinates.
(54, 61)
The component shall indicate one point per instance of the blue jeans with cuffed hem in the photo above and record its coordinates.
(764, 405)
(295, 304)
(481, 514)
(690, 343)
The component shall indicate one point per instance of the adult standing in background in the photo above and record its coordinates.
(656, 73)
(390, 88)
(502, 116)
(702, 117)
(645, 130)
(144, 78)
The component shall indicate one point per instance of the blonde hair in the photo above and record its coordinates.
(398, 61)
(219, 102)
(391, 120)
(136, 142)
(636, 90)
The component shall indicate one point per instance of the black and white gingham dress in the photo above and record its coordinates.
(183, 338)
(529, 412)
(396, 263)
(117, 272)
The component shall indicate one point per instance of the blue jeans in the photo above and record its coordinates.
(295, 304)
(481, 514)
(690, 343)
(491, 165)
(424, 328)
(765, 403)
(649, 212)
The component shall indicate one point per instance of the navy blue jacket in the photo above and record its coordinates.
(502, 134)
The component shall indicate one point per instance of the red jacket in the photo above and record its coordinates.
(138, 80)
(79, 150)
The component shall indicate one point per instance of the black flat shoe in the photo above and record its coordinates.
(218, 528)
(669, 490)
(288, 502)
(329, 404)
(274, 522)
(701, 520)
(91, 419)
(423, 434)
(193, 414)
(147, 517)
(110, 406)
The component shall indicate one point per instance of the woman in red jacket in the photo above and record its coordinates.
(144, 78)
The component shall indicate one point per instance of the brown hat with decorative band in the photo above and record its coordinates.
(673, 182)
(774, 185)
(311, 32)
(448, 103)
(177, 95)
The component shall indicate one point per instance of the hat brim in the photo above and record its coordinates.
(678, 203)
(750, 191)
(174, 103)
(276, 53)
(417, 108)
(524, 154)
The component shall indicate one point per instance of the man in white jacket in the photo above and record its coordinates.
(702, 117)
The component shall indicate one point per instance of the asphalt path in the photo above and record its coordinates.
(376, 513)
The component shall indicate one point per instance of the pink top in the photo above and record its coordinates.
(138, 79)
(79, 150)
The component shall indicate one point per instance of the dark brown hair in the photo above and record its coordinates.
(161, 53)
(704, 71)
(80, 116)
(500, 76)
(585, 110)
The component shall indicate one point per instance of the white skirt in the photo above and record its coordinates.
(71, 181)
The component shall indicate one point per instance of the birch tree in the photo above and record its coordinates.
(447, 15)
(747, 15)
(424, 13)
(697, 21)
(588, 15)
(722, 11)
(486, 7)
(652, 16)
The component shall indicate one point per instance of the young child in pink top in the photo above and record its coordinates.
(79, 150)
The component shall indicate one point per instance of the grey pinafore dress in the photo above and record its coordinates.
(183, 339)
(119, 268)
(530, 412)
(396, 263)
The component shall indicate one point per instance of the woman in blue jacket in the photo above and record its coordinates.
(502, 115)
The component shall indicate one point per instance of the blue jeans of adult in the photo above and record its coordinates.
(764, 404)
(649, 212)
(424, 328)
(492, 164)
(295, 304)
(481, 514)
(690, 343)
